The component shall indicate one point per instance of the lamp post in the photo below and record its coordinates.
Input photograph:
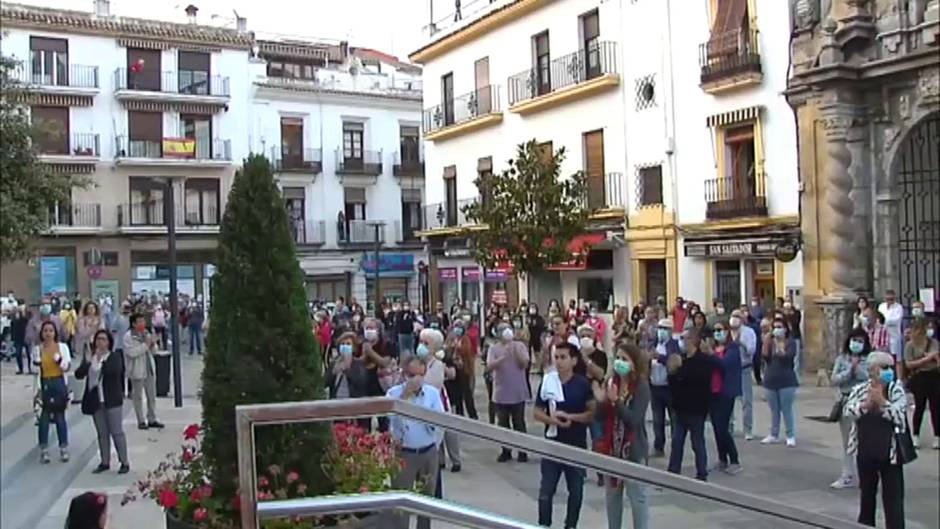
(170, 216)
(377, 225)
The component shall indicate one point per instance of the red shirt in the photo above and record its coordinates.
(717, 376)
(679, 316)
(878, 336)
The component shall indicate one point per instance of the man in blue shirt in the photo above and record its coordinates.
(567, 424)
(418, 441)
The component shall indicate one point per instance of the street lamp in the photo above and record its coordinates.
(170, 215)
(440, 214)
(377, 225)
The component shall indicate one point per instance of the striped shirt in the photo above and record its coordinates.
(878, 336)
(894, 411)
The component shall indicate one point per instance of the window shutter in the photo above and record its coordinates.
(411, 195)
(354, 195)
(145, 125)
(293, 192)
(196, 61)
(725, 31)
(47, 44)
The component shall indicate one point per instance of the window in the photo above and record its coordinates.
(410, 213)
(202, 201)
(146, 204)
(145, 130)
(292, 142)
(51, 129)
(484, 171)
(594, 168)
(198, 128)
(543, 77)
(49, 61)
(290, 70)
(143, 69)
(655, 284)
(102, 258)
(295, 204)
(730, 29)
(450, 192)
(481, 76)
(355, 198)
(739, 160)
(410, 151)
(590, 32)
(447, 93)
(650, 185)
(352, 145)
(597, 291)
(193, 72)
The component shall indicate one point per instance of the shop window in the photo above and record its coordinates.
(598, 291)
(728, 281)
(100, 258)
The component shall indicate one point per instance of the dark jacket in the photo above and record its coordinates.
(690, 385)
(731, 371)
(18, 329)
(112, 379)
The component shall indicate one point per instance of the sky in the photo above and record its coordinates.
(393, 26)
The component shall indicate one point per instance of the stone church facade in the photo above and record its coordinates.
(865, 86)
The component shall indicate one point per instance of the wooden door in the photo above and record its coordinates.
(594, 168)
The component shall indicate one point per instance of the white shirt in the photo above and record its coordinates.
(748, 339)
(893, 314)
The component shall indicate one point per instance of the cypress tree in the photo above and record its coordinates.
(259, 347)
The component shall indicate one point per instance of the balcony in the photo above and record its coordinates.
(171, 87)
(362, 170)
(730, 60)
(606, 196)
(172, 152)
(464, 114)
(75, 219)
(440, 216)
(83, 149)
(308, 232)
(573, 77)
(358, 232)
(150, 217)
(59, 83)
(308, 160)
(411, 167)
(406, 233)
(728, 198)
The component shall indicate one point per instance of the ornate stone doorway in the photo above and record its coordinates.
(918, 181)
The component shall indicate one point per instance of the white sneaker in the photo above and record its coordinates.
(843, 483)
(791, 442)
(916, 440)
(748, 437)
(770, 440)
(936, 443)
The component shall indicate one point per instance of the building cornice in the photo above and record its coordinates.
(300, 91)
(69, 21)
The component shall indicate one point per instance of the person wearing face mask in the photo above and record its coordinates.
(877, 333)
(661, 350)
(405, 330)
(141, 371)
(595, 368)
(417, 441)
(536, 324)
(599, 326)
(849, 370)
(717, 314)
(622, 402)
(507, 360)
(52, 357)
(922, 367)
(746, 339)
(725, 388)
(646, 336)
(690, 379)
(879, 409)
(893, 313)
(69, 320)
(780, 381)
(459, 352)
(44, 314)
(757, 308)
(430, 348)
(861, 303)
(104, 397)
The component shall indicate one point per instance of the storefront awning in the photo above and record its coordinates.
(579, 248)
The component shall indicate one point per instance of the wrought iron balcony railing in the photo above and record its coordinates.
(39, 73)
(216, 149)
(460, 109)
(730, 197)
(729, 54)
(75, 216)
(361, 162)
(183, 82)
(308, 160)
(410, 166)
(568, 70)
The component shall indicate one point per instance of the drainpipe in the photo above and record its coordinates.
(669, 119)
(626, 156)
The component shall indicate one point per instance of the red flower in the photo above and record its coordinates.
(195, 495)
(205, 491)
(191, 432)
(263, 496)
(187, 455)
(168, 499)
(200, 514)
(292, 476)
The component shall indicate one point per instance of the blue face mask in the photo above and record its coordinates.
(779, 332)
(46, 309)
(345, 349)
(663, 335)
(721, 336)
(458, 331)
(422, 350)
(622, 367)
(856, 346)
(887, 376)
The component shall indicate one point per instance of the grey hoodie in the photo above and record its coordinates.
(844, 377)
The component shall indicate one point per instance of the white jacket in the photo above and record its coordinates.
(64, 356)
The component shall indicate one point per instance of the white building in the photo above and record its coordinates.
(711, 143)
(516, 71)
(132, 104)
(342, 126)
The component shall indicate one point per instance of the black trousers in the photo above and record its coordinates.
(511, 412)
(491, 406)
(464, 400)
(892, 492)
(926, 389)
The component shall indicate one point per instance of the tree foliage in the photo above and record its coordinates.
(28, 189)
(260, 348)
(530, 211)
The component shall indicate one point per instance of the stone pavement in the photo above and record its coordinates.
(36, 496)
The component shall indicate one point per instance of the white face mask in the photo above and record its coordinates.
(508, 335)
(587, 343)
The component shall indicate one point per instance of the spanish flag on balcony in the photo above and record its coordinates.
(179, 147)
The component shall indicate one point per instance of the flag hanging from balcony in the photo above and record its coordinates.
(179, 147)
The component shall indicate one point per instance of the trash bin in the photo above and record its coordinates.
(162, 359)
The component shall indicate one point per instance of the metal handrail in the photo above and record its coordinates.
(249, 416)
(411, 502)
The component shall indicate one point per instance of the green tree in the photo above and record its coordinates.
(259, 348)
(531, 213)
(28, 189)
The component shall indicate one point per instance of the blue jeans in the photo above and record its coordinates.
(720, 409)
(798, 357)
(61, 428)
(195, 339)
(661, 404)
(781, 402)
(639, 504)
(747, 401)
(574, 481)
(692, 424)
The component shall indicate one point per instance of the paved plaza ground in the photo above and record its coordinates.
(36, 496)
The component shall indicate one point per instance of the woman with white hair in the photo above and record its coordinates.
(879, 407)
(431, 349)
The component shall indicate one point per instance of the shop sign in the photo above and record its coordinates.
(447, 274)
(499, 297)
(496, 276)
(53, 275)
(471, 274)
(388, 263)
(731, 249)
(786, 251)
(457, 252)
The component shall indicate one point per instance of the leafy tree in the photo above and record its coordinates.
(531, 213)
(28, 189)
(259, 347)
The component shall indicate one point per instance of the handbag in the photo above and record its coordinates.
(835, 414)
(904, 444)
(90, 400)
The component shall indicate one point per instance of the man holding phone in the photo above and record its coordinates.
(418, 441)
